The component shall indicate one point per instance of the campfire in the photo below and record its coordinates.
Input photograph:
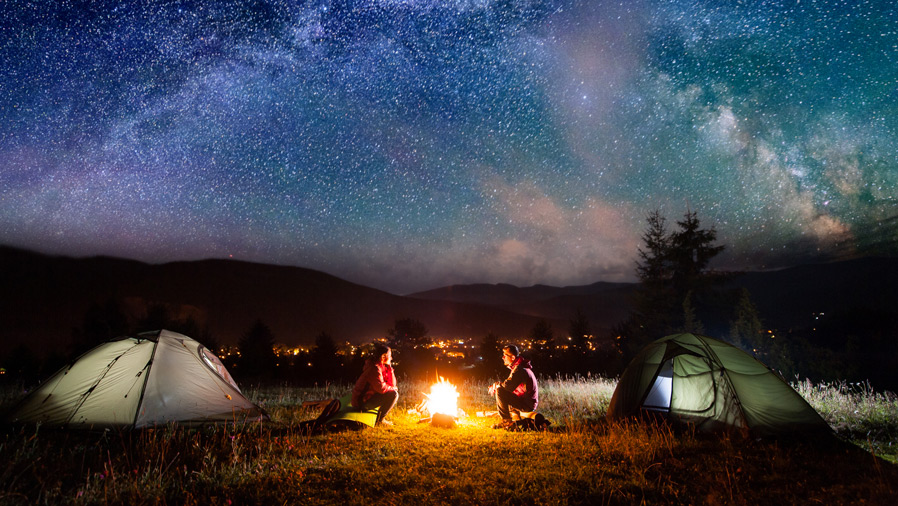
(440, 406)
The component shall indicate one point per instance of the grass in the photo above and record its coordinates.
(857, 413)
(581, 460)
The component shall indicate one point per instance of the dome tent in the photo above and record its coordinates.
(713, 385)
(135, 382)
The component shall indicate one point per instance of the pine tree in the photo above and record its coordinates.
(671, 267)
(542, 340)
(542, 336)
(746, 331)
(653, 301)
(409, 333)
(652, 266)
(690, 251)
(101, 323)
(578, 356)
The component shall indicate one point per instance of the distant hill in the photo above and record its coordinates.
(786, 298)
(603, 304)
(45, 297)
(790, 297)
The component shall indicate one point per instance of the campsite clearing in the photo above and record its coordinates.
(582, 460)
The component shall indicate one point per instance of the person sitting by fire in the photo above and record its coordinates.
(519, 391)
(376, 387)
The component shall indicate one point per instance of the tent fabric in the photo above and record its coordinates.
(134, 382)
(711, 384)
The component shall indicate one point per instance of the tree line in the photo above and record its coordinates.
(677, 292)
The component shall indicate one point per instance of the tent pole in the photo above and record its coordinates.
(94, 386)
(146, 378)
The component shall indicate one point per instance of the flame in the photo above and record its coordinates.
(443, 398)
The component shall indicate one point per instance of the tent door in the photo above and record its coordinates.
(658, 398)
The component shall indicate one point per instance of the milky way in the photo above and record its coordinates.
(412, 144)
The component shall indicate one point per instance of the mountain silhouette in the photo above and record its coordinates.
(45, 298)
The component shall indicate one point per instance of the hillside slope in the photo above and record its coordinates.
(45, 298)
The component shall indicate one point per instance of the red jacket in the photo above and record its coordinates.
(376, 378)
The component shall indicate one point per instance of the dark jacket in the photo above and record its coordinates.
(522, 382)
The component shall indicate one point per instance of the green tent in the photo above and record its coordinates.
(712, 384)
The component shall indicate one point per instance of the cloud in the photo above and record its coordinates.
(527, 206)
(550, 241)
(591, 53)
(789, 200)
(523, 236)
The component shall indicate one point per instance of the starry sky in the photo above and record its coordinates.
(412, 144)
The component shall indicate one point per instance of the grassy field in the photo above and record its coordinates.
(581, 460)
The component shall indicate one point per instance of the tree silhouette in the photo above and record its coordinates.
(672, 271)
(746, 331)
(157, 317)
(580, 332)
(578, 357)
(326, 364)
(410, 340)
(542, 338)
(257, 358)
(208, 339)
(690, 251)
(652, 267)
(408, 333)
(101, 323)
(654, 300)
(491, 357)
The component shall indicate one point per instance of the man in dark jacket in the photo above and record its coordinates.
(518, 391)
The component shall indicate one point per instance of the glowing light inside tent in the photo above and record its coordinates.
(443, 398)
(658, 398)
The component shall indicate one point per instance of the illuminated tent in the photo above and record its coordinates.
(712, 384)
(142, 381)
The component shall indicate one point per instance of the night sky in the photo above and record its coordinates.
(408, 145)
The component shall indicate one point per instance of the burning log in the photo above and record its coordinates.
(444, 421)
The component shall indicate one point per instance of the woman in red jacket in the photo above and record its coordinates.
(376, 387)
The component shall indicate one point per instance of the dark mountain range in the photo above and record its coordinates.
(794, 297)
(788, 298)
(603, 304)
(43, 299)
